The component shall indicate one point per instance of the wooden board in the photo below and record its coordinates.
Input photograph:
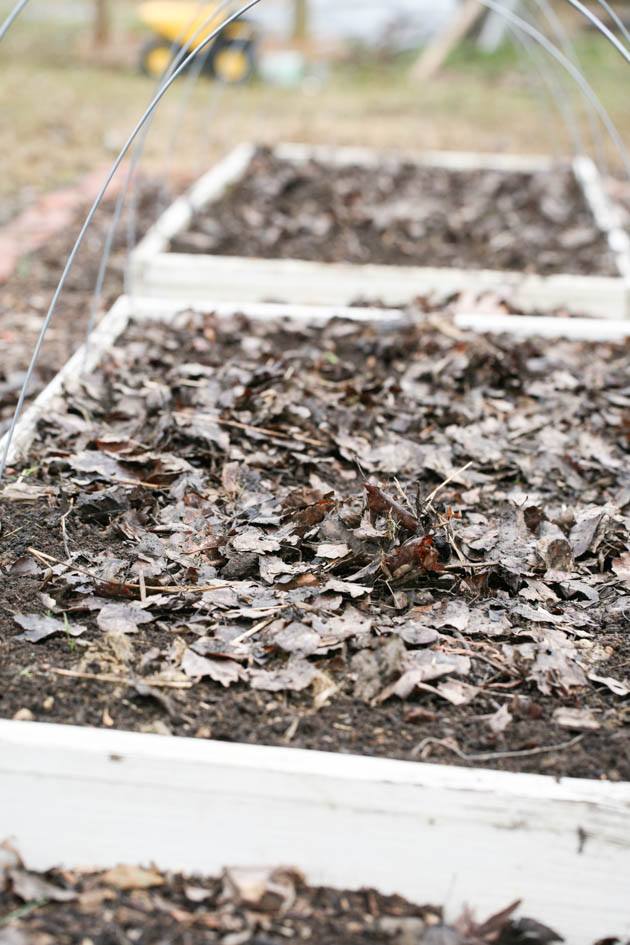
(78, 796)
(154, 272)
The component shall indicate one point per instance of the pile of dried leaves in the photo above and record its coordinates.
(397, 540)
(242, 907)
(404, 214)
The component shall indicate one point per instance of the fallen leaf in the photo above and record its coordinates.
(132, 877)
(38, 627)
(579, 720)
(30, 886)
(500, 720)
(225, 672)
(122, 618)
(295, 676)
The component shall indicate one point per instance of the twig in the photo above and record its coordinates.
(493, 755)
(64, 533)
(138, 482)
(470, 564)
(121, 680)
(248, 427)
(450, 478)
(257, 626)
(125, 585)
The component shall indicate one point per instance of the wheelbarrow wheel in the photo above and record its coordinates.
(155, 58)
(234, 62)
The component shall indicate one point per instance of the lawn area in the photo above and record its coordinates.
(63, 115)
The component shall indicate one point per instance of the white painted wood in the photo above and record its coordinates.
(212, 186)
(528, 326)
(225, 278)
(160, 274)
(76, 796)
(604, 212)
(450, 160)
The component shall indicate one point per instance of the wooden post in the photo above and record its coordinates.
(435, 54)
(495, 27)
(300, 21)
(102, 23)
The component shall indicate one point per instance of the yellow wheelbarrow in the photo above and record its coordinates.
(231, 57)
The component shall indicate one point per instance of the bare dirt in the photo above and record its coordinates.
(406, 215)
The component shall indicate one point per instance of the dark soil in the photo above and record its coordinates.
(242, 907)
(25, 298)
(402, 214)
(228, 575)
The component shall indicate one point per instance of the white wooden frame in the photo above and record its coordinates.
(79, 796)
(158, 273)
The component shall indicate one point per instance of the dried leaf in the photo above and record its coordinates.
(132, 877)
(122, 618)
(579, 720)
(225, 672)
(295, 676)
(30, 886)
(38, 627)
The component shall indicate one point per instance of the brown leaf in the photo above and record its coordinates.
(132, 877)
(225, 672)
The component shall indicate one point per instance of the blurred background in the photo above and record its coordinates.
(351, 72)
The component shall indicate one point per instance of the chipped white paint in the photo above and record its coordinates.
(154, 272)
(75, 796)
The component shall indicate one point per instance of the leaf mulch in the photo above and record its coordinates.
(402, 214)
(25, 297)
(241, 907)
(399, 540)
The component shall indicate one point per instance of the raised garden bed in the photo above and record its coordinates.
(325, 225)
(280, 474)
(188, 551)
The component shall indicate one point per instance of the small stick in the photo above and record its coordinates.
(257, 626)
(157, 588)
(492, 755)
(138, 482)
(120, 680)
(266, 432)
(64, 533)
(450, 478)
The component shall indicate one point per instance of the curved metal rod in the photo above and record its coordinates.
(614, 16)
(603, 29)
(176, 55)
(12, 17)
(555, 90)
(567, 46)
(97, 201)
(574, 72)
